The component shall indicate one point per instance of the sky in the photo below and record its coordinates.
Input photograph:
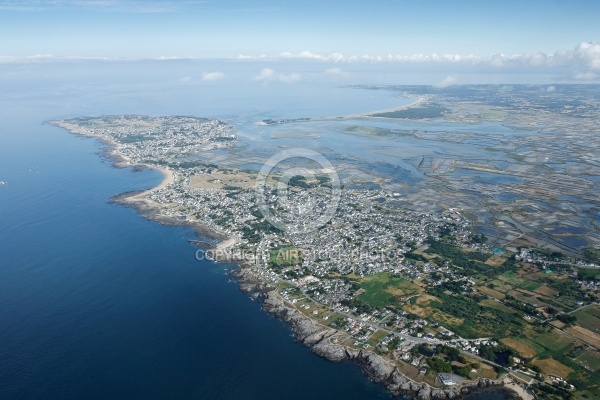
(534, 34)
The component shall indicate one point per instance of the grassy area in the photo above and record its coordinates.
(492, 292)
(591, 338)
(589, 318)
(587, 395)
(589, 359)
(530, 285)
(496, 305)
(285, 257)
(481, 316)
(525, 347)
(551, 366)
(554, 341)
(495, 260)
(593, 255)
(426, 306)
(546, 291)
(383, 290)
(379, 335)
(512, 278)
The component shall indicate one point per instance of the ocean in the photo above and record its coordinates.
(98, 303)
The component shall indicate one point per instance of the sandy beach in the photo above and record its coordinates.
(169, 177)
(370, 113)
(512, 385)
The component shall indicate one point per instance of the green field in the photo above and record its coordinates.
(383, 290)
(530, 285)
(590, 359)
(589, 318)
(496, 305)
(554, 342)
(512, 279)
(285, 257)
(525, 347)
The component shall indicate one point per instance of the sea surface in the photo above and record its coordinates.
(98, 303)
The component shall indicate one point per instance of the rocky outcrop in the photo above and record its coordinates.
(375, 367)
(249, 283)
(329, 352)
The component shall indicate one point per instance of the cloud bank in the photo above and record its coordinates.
(585, 55)
(582, 63)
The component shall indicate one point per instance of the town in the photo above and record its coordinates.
(424, 290)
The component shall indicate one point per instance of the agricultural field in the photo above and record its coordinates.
(496, 305)
(589, 337)
(383, 290)
(589, 318)
(491, 292)
(553, 367)
(516, 303)
(589, 359)
(524, 346)
(546, 291)
(554, 341)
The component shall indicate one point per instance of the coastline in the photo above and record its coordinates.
(370, 114)
(321, 340)
(306, 330)
(168, 178)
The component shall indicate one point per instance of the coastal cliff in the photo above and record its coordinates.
(319, 339)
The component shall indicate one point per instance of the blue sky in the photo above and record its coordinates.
(226, 28)
(533, 34)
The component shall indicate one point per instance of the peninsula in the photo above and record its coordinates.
(420, 298)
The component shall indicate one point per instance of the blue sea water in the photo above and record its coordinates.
(99, 303)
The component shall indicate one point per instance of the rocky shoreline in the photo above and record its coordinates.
(152, 213)
(305, 329)
(312, 334)
(377, 369)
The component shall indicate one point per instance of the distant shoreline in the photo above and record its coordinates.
(369, 114)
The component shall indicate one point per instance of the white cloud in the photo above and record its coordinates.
(551, 89)
(267, 75)
(583, 55)
(213, 76)
(585, 76)
(337, 72)
(589, 53)
(447, 81)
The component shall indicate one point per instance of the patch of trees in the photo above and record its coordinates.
(550, 392)
(567, 319)
(415, 256)
(458, 257)
(452, 353)
(361, 306)
(439, 365)
(479, 238)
